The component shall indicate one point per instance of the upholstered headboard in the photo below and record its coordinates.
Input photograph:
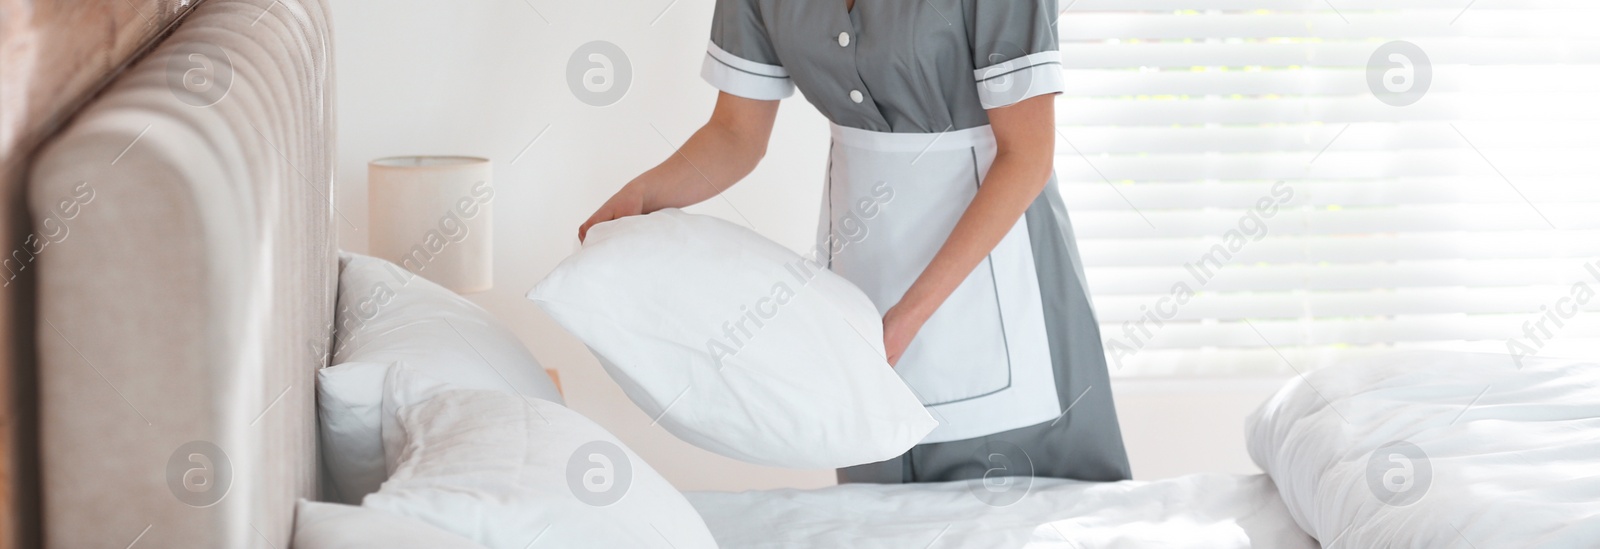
(187, 273)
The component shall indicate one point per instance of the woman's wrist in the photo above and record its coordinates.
(641, 189)
(915, 308)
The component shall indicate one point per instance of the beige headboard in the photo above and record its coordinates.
(187, 273)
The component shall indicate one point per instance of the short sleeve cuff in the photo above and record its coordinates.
(1006, 84)
(743, 77)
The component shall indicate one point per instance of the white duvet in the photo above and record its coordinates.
(1508, 457)
(1212, 511)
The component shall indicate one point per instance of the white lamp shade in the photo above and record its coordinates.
(433, 215)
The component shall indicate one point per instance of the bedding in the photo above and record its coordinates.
(1438, 450)
(387, 314)
(1212, 511)
(735, 344)
(511, 472)
(350, 417)
(337, 526)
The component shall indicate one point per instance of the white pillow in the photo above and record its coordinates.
(350, 411)
(734, 343)
(385, 315)
(506, 471)
(338, 526)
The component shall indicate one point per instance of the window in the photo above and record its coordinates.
(1247, 204)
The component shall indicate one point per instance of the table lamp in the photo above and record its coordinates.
(433, 215)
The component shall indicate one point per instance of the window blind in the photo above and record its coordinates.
(1447, 199)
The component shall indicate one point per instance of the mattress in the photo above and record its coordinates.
(1213, 511)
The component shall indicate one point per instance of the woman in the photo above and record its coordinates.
(940, 203)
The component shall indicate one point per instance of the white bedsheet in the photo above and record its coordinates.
(1212, 511)
(1513, 455)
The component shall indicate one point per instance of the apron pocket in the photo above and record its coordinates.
(961, 353)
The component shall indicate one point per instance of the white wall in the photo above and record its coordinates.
(484, 77)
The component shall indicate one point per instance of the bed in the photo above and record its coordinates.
(184, 318)
(1429, 449)
(1200, 511)
(1507, 454)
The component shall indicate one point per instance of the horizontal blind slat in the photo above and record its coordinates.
(1557, 23)
(1241, 195)
(1344, 53)
(1294, 360)
(1564, 163)
(1360, 249)
(1489, 7)
(1527, 300)
(1439, 107)
(1239, 277)
(1322, 81)
(1329, 164)
(1462, 217)
(1313, 332)
(1313, 137)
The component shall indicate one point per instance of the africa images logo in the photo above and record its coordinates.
(599, 73)
(199, 73)
(599, 473)
(1399, 473)
(199, 473)
(1399, 73)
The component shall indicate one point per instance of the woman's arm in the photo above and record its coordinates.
(718, 155)
(1025, 151)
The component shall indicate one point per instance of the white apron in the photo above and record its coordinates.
(982, 362)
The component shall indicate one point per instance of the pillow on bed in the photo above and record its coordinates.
(505, 471)
(734, 343)
(350, 416)
(338, 526)
(1433, 449)
(385, 315)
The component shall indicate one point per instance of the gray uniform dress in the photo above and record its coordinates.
(1011, 364)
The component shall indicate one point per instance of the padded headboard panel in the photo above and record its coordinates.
(187, 276)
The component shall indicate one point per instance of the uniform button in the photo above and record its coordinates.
(844, 39)
(855, 95)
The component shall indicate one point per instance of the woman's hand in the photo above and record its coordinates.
(900, 326)
(628, 201)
